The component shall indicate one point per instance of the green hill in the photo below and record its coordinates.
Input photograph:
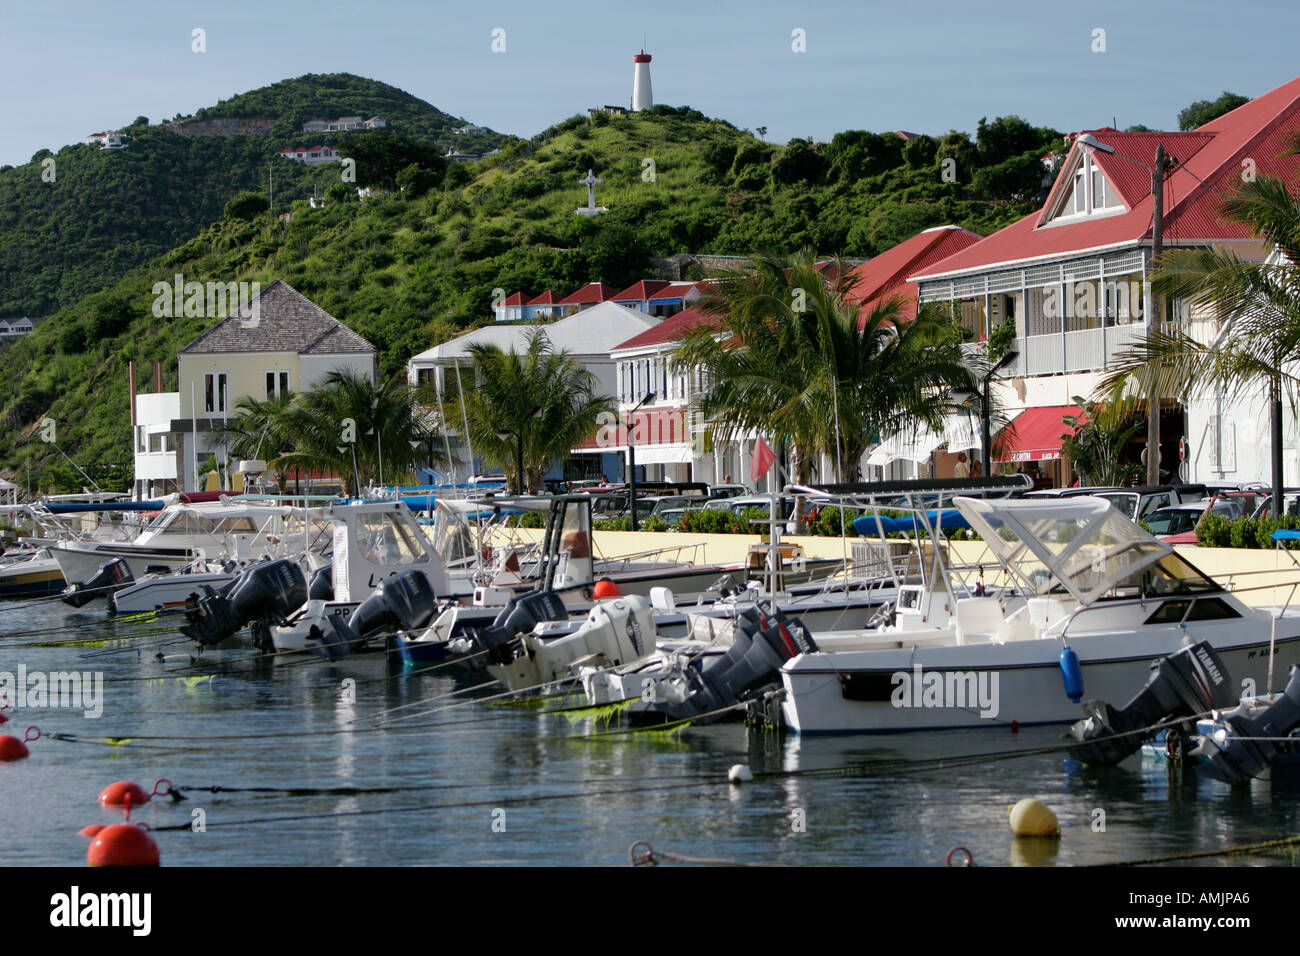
(81, 225)
(409, 269)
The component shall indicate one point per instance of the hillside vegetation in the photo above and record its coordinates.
(413, 267)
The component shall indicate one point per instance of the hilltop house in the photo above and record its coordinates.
(1073, 276)
(312, 155)
(293, 345)
(110, 140)
(12, 328)
(343, 124)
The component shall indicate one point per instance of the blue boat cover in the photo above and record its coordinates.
(949, 519)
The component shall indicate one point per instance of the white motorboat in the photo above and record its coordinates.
(178, 536)
(1090, 601)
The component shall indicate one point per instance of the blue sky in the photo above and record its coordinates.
(72, 68)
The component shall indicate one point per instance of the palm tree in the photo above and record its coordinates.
(345, 413)
(537, 396)
(1257, 305)
(800, 361)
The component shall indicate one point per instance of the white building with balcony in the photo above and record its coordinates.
(1073, 277)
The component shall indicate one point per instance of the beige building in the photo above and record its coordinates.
(292, 345)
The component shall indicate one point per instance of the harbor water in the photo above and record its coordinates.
(357, 762)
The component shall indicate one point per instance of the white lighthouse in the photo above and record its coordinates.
(642, 97)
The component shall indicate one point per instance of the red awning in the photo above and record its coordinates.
(1035, 435)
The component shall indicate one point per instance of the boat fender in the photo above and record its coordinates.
(1071, 674)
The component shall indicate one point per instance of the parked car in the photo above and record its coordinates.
(1290, 504)
(1177, 524)
(727, 491)
(1140, 502)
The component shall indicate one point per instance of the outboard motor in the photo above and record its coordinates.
(520, 615)
(113, 575)
(322, 584)
(405, 601)
(1233, 748)
(765, 639)
(1189, 682)
(268, 591)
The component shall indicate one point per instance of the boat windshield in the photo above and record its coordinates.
(1083, 545)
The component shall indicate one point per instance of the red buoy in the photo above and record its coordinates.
(122, 844)
(91, 831)
(11, 748)
(605, 588)
(116, 794)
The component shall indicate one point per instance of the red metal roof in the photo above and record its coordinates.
(515, 299)
(1035, 435)
(1255, 131)
(641, 291)
(669, 330)
(886, 274)
(590, 293)
(546, 298)
(676, 290)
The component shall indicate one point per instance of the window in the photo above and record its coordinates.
(277, 384)
(215, 386)
(1089, 193)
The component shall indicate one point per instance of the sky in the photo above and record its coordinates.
(74, 68)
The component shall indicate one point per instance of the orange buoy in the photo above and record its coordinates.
(605, 588)
(117, 794)
(122, 844)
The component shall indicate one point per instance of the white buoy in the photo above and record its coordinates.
(740, 774)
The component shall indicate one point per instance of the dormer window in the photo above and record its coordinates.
(1090, 194)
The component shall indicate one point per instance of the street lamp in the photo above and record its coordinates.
(1156, 307)
(986, 441)
(631, 456)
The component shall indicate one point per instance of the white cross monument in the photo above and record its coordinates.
(591, 209)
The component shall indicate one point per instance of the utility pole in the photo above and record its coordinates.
(1157, 310)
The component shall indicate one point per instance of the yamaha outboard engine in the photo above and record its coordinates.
(268, 591)
(764, 640)
(404, 601)
(520, 615)
(322, 584)
(113, 575)
(1238, 747)
(1189, 682)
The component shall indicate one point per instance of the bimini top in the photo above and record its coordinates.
(1084, 545)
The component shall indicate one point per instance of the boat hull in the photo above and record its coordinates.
(989, 685)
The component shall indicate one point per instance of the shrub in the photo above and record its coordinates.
(1244, 533)
(1214, 531)
(246, 206)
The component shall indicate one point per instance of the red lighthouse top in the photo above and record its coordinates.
(642, 57)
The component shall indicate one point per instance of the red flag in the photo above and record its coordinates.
(763, 460)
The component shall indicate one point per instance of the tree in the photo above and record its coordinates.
(1202, 111)
(538, 394)
(798, 361)
(380, 156)
(1096, 444)
(1258, 302)
(246, 206)
(345, 413)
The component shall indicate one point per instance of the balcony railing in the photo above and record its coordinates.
(1086, 350)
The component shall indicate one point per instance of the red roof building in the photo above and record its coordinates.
(886, 275)
(593, 293)
(511, 308)
(637, 295)
(1072, 276)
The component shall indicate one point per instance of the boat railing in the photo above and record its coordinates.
(654, 555)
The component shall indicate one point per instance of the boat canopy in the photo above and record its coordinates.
(1082, 544)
